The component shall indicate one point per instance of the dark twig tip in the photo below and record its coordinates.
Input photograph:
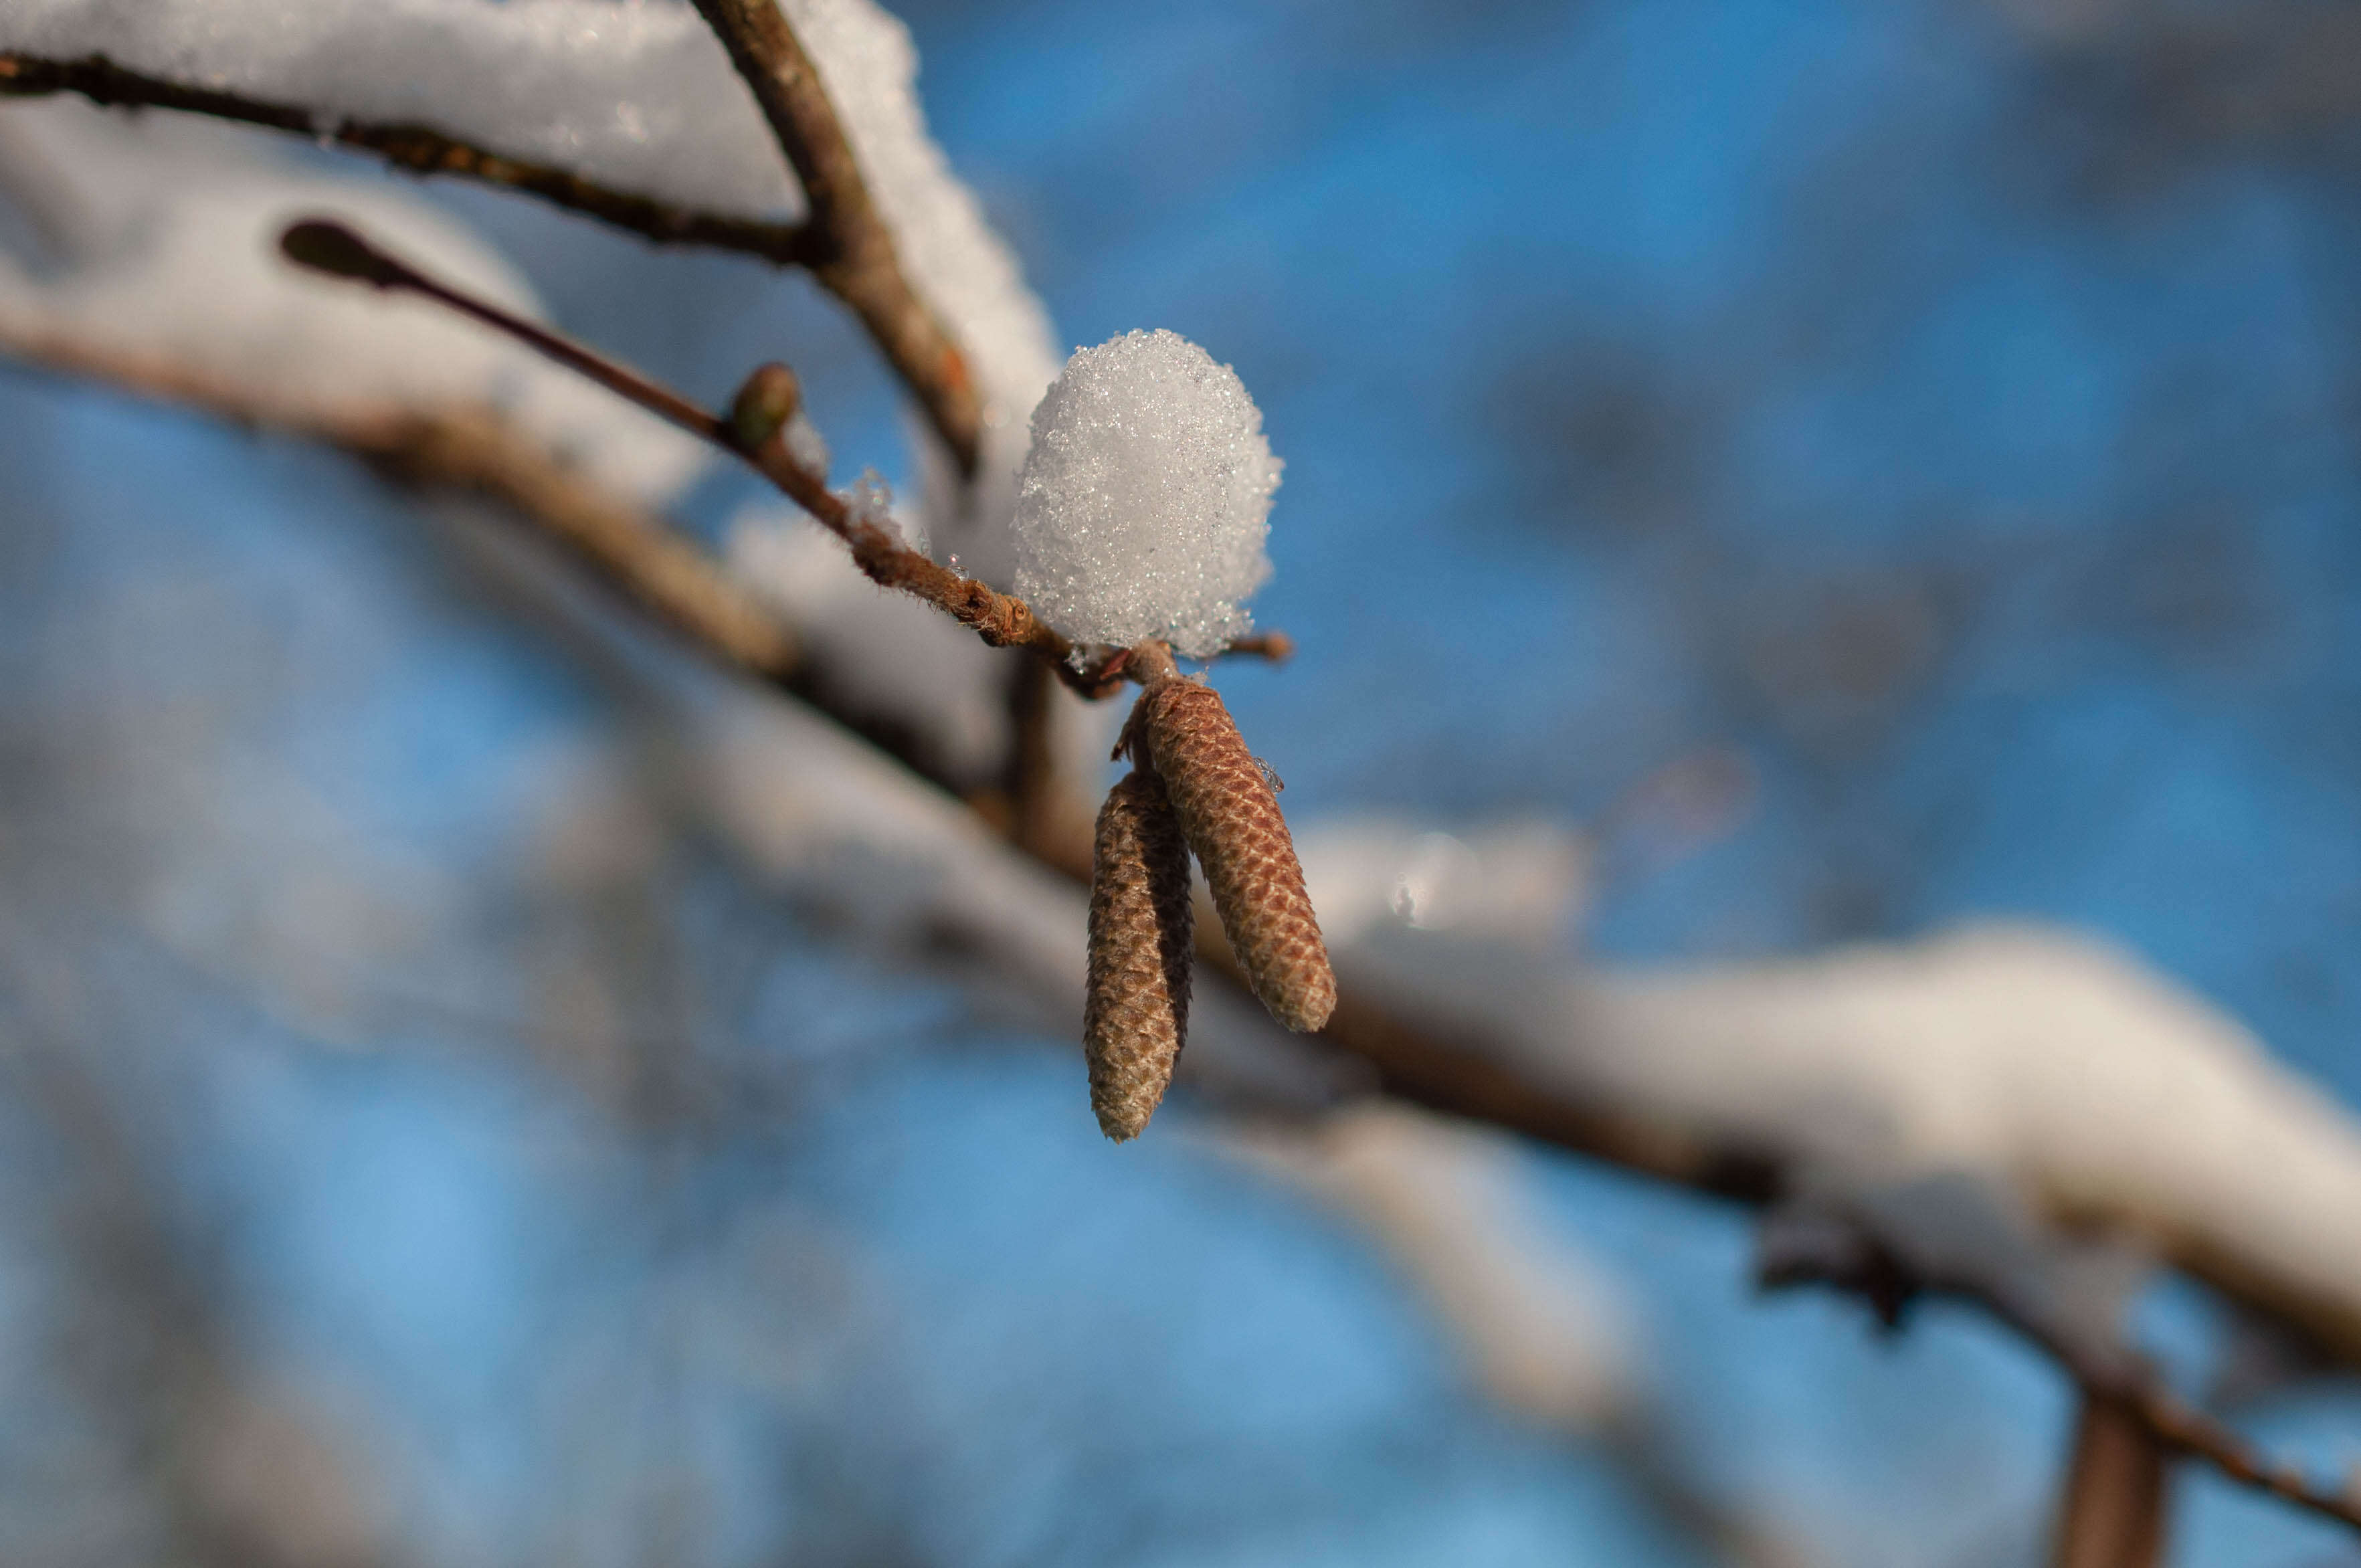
(324, 246)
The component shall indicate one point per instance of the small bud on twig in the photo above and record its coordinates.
(1232, 819)
(331, 248)
(766, 400)
(1136, 1013)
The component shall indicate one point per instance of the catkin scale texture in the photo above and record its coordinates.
(1231, 816)
(1136, 1015)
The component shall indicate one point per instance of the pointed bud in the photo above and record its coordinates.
(324, 246)
(1136, 1013)
(1231, 816)
(767, 399)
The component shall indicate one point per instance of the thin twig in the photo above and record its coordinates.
(858, 262)
(843, 242)
(2119, 1378)
(419, 150)
(1003, 621)
(1276, 646)
(2182, 1428)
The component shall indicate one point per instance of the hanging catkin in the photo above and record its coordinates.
(1231, 816)
(1137, 1012)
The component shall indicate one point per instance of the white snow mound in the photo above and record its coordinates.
(1145, 501)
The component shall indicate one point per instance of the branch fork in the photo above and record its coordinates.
(687, 588)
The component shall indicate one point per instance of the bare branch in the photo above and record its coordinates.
(419, 150)
(856, 262)
(331, 248)
(2177, 1427)
(2111, 1376)
(1036, 800)
(673, 579)
(2113, 1513)
(1003, 621)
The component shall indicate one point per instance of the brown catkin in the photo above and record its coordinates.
(1231, 815)
(1136, 1013)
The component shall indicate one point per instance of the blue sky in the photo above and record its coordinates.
(1881, 395)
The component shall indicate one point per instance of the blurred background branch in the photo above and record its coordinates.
(664, 573)
(727, 954)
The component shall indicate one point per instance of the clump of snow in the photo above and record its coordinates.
(1146, 499)
(163, 242)
(870, 504)
(639, 97)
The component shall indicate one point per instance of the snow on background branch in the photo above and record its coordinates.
(636, 96)
(2041, 1061)
(1981, 1096)
(640, 97)
(160, 237)
(215, 294)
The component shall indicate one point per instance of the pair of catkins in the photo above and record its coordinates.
(1193, 787)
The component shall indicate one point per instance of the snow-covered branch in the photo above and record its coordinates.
(2074, 1079)
(757, 432)
(633, 116)
(855, 256)
(1502, 1062)
(417, 149)
(1947, 1116)
(475, 449)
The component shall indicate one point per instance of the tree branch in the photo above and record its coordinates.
(1003, 621)
(756, 437)
(843, 243)
(673, 578)
(2113, 1514)
(2140, 1422)
(1037, 804)
(419, 150)
(858, 263)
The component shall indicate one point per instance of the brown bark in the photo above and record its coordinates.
(2113, 1514)
(855, 257)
